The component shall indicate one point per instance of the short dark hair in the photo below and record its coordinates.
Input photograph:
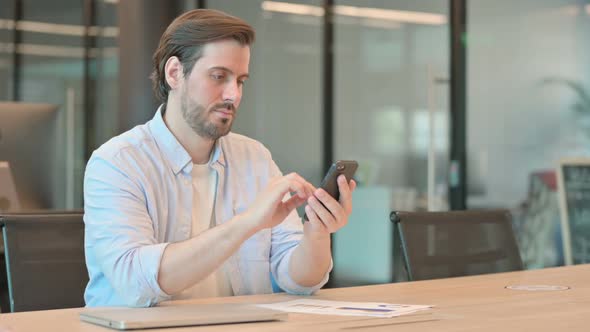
(185, 37)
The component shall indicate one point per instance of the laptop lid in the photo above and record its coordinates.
(182, 315)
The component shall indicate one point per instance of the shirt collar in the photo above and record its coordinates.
(173, 151)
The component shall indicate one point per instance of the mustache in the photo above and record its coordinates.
(228, 106)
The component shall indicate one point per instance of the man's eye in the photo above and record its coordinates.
(218, 77)
(241, 82)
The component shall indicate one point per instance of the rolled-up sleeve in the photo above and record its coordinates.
(285, 239)
(122, 252)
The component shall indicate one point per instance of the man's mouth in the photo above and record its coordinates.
(225, 112)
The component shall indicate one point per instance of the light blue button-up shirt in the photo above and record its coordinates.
(138, 198)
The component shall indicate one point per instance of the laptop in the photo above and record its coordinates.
(181, 315)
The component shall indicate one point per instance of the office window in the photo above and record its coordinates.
(105, 73)
(51, 71)
(50, 52)
(6, 49)
(528, 107)
(391, 67)
(282, 103)
(524, 71)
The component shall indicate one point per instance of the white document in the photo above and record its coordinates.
(322, 307)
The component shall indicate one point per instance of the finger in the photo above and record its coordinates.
(345, 194)
(290, 184)
(309, 188)
(299, 189)
(323, 214)
(352, 185)
(331, 204)
(314, 219)
(293, 203)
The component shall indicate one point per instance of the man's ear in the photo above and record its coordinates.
(174, 72)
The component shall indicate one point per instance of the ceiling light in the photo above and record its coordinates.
(291, 8)
(59, 29)
(360, 12)
(391, 15)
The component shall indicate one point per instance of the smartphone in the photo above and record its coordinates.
(330, 183)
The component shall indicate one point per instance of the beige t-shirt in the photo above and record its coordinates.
(203, 217)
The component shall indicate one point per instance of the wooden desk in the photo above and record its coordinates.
(479, 303)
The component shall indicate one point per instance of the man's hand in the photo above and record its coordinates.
(269, 209)
(332, 215)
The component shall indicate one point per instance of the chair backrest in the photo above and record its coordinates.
(456, 243)
(45, 263)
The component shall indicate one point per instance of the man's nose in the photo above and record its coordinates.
(231, 92)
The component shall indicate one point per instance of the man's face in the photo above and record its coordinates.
(211, 93)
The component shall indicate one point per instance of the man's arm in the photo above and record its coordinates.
(120, 243)
(185, 263)
(312, 258)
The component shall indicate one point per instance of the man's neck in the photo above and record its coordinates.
(198, 148)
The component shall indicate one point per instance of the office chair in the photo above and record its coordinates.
(44, 253)
(456, 243)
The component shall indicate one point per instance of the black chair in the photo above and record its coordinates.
(44, 253)
(456, 243)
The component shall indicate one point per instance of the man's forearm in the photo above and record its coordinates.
(185, 263)
(310, 261)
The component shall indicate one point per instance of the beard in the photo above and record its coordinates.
(197, 117)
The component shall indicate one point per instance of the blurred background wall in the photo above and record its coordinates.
(379, 68)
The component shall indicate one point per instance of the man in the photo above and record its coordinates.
(182, 208)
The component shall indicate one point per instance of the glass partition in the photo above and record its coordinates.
(105, 73)
(391, 95)
(52, 63)
(51, 71)
(282, 102)
(391, 114)
(6, 49)
(528, 107)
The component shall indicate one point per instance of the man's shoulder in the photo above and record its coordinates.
(129, 143)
